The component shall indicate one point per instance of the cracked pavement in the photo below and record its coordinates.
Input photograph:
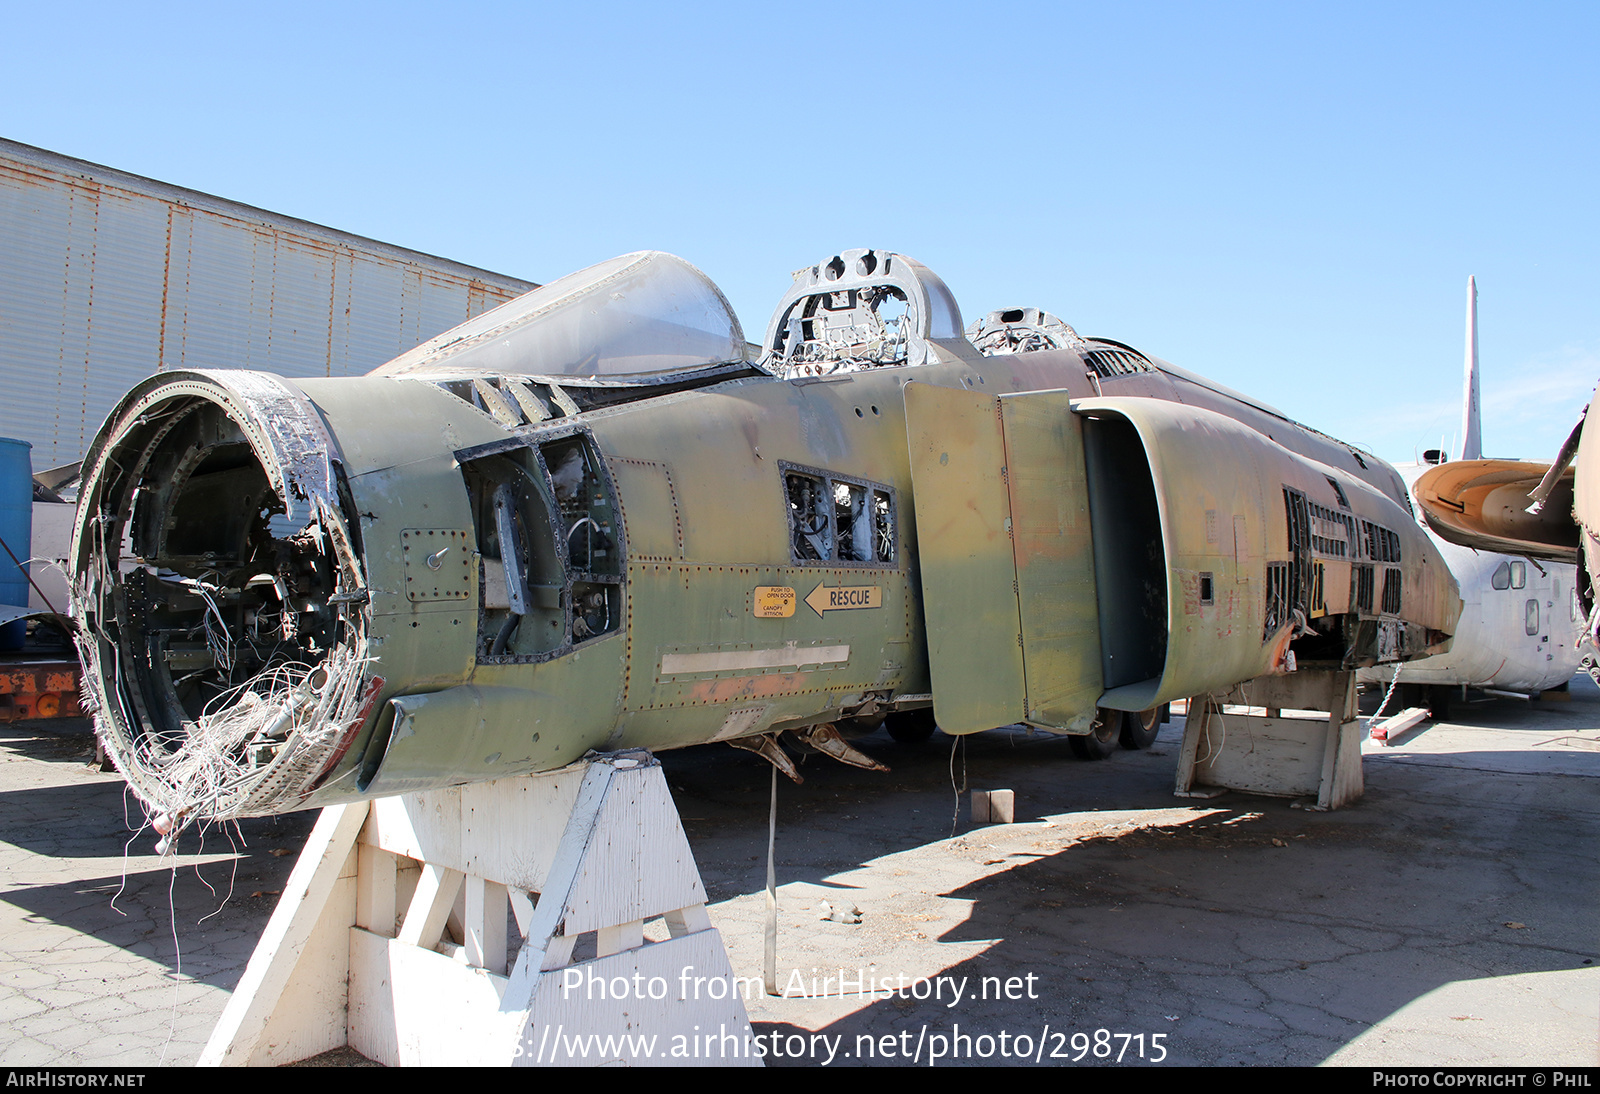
(1447, 918)
(90, 974)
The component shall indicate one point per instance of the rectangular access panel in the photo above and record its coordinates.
(1007, 558)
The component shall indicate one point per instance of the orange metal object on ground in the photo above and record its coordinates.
(39, 689)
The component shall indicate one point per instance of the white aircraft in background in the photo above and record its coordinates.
(1520, 619)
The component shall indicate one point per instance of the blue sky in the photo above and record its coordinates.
(1286, 198)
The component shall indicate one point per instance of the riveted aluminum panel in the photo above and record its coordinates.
(1211, 642)
(969, 595)
(1053, 548)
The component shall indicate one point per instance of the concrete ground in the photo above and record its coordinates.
(1448, 918)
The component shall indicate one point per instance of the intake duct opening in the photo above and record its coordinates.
(1129, 558)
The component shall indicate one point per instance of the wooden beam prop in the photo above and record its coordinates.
(1318, 758)
(393, 935)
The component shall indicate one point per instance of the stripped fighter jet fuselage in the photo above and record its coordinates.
(585, 520)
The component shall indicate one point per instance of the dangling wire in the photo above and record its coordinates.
(1372, 721)
(268, 723)
(957, 741)
(1209, 709)
(769, 963)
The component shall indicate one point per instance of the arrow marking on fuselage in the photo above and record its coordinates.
(838, 598)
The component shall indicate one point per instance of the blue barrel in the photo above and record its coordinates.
(16, 529)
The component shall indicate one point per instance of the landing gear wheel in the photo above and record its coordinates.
(1139, 730)
(1101, 741)
(1406, 696)
(910, 727)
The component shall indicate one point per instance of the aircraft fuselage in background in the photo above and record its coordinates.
(1519, 626)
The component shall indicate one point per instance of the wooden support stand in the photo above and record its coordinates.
(1312, 757)
(1390, 730)
(392, 935)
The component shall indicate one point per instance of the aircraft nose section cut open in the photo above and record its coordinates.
(221, 596)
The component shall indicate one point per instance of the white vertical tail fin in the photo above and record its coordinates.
(1471, 420)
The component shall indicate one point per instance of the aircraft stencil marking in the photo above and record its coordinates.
(844, 598)
(787, 656)
(773, 602)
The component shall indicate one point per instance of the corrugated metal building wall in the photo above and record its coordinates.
(106, 277)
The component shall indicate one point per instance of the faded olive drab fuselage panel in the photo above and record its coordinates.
(651, 509)
(969, 574)
(397, 450)
(489, 730)
(701, 617)
(1057, 591)
(489, 720)
(1006, 554)
(1083, 553)
(702, 648)
(1229, 528)
(702, 503)
(1182, 448)
(702, 663)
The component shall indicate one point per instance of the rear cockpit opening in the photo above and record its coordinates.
(860, 309)
(1021, 330)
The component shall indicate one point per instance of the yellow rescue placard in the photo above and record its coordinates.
(773, 602)
(844, 597)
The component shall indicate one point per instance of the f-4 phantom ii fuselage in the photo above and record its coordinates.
(585, 521)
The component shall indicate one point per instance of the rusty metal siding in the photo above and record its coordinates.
(106, 277)
(377, 310)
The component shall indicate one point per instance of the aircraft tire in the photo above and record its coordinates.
(910, 727)
(1139, 730)
(1102, 740)
(1438, 703)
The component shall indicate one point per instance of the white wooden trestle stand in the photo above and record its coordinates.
(601, 844)
(1315, 757)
